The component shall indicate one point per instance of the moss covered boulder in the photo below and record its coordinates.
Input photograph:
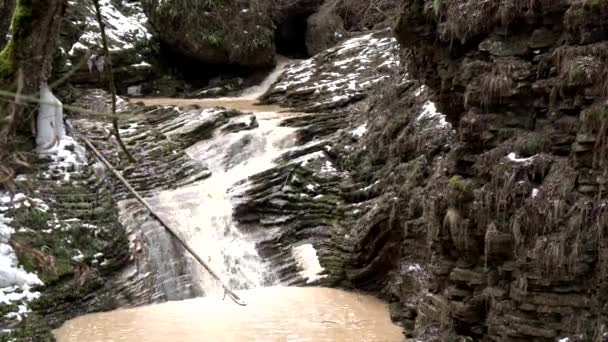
(215, 32)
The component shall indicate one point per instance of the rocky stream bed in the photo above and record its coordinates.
(454, 167)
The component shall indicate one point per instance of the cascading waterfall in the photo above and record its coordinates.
(202, 212)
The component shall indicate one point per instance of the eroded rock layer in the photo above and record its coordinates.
(516, 215)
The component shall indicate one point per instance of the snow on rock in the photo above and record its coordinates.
(308, 262)
(431, 116)
(15, 282)
(415, 270)
(359, 131)
(129, 40)
(11, 274)
(338, 76)
(535, 192)
(125, 26)
(513, 157)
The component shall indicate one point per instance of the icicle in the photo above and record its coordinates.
(49, 125)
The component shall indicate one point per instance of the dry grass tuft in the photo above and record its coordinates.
(583, 66)
(584, 15)
(491, 233)
(457, 227)
(366, 15)
(496, 85)
(463, 20)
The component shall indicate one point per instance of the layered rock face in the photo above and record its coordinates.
(355, 189)
(338, 76)
(516, 216)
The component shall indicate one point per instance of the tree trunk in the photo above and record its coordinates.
(35, 27)
(6, 13)
(25, 62)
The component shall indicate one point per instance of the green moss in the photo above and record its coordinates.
(437, 6)
(215, 39)
(7, 308)
(60, 245)
(24, 18)
(6, 61)
(457, 183)
(30, 218)
(33, 329)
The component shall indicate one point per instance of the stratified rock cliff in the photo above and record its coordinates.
(516, 218)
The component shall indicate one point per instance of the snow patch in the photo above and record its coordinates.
(535, 192)
(513, 157)
(15, 282)
(308, 262)
(429, 112)
(359, 131)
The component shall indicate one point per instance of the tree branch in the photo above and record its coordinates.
(110, 72)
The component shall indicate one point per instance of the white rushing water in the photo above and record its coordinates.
(202, 212)
(256, 91)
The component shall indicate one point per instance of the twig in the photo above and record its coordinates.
(100, 157)
(110, 72)
(288, 177)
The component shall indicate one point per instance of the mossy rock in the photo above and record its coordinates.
(30, 218)
(459, 190)
(214, 32)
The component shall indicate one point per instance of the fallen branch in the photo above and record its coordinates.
(101, 158)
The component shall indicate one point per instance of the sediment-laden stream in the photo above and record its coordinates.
(203, 214)
(273, 314)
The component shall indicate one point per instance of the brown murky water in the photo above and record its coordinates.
(242, 104)
(272, 314)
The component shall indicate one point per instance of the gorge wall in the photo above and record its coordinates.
(516, 216)
(494, 230)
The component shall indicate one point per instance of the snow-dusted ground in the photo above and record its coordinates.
(15, 282)
(66, 158)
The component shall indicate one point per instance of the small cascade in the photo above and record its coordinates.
(202, 212)
(252, 93)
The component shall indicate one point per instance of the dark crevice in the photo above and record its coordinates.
(201, 74)
(290, 36)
